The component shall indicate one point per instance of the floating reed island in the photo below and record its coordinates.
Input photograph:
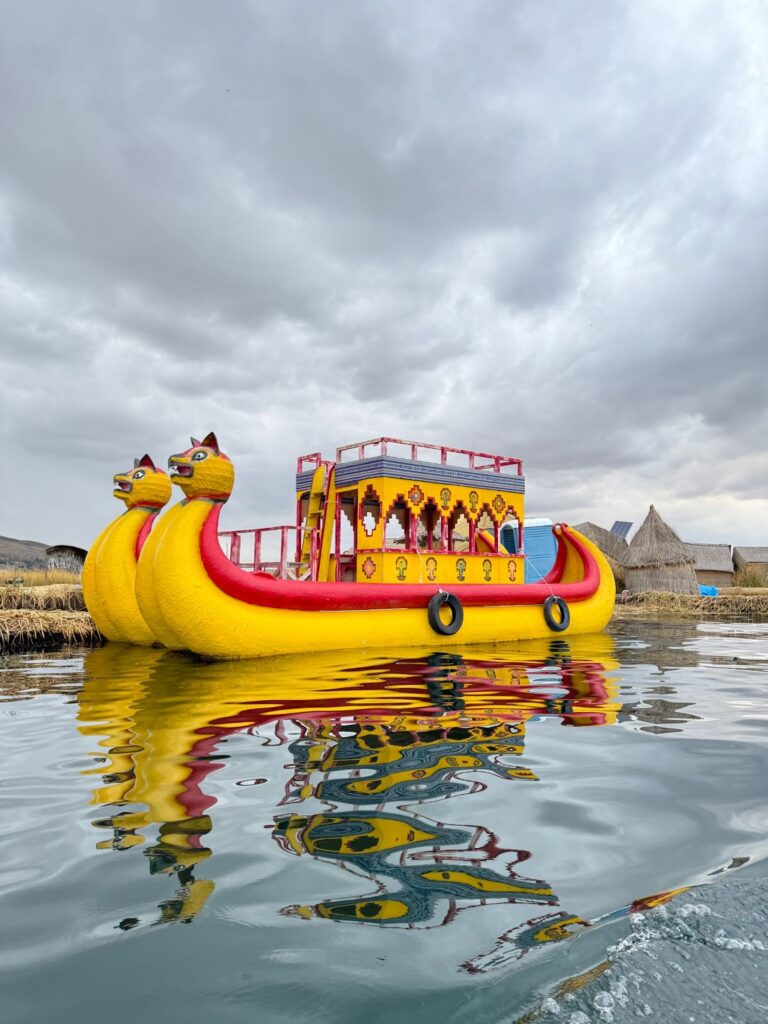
(745, 604)
(44, 617)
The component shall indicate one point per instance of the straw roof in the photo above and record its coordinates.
(658, 560)
(655, 544)
(751, 554)
(711, 557)
(609, 543)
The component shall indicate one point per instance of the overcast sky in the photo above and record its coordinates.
(537, 228)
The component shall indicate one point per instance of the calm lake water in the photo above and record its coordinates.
(491, 835)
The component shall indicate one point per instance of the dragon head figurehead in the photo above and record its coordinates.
(203, 471)
(144, 486)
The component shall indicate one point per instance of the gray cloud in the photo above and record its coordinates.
(525, 227)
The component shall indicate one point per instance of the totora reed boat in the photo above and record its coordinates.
(395, 544)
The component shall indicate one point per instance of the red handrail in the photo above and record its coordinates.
(280, 566)
(488, 462)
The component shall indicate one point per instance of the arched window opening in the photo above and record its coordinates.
(486, 532)
(429, 526)
(370, 511)
(346, 534)
(511, 534)
(397, 528)
(458, 529)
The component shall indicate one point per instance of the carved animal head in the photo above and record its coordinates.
(144, 486)
(203, 471)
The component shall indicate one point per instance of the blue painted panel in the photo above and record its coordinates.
(540, 548)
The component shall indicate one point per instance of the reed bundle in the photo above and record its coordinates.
(32, 630)
(57, 597)
(37, 577)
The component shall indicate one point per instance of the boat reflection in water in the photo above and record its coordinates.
(371, 738)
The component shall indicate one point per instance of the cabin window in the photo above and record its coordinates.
(429, 526)
(370, 511)
(346, 532)
(486, 525)
(510, 534)
(397, 528)
(458, 529)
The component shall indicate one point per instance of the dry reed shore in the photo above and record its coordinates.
(748, 604)
(34, 618)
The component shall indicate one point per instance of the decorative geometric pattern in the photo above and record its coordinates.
(416, 495)
(369, 567)
(498, 504)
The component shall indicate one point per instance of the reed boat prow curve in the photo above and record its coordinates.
(110, 567)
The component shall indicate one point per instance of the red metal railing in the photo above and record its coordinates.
(314, 459)
(483, 461)
(283, 567)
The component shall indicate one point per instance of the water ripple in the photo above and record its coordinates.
(383, 835)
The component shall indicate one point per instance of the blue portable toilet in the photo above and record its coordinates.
(539, 543)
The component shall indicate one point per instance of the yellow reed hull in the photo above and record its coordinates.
(201, 618)
(109, 580)
(145, 582)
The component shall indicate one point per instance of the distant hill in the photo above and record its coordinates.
(22, 554)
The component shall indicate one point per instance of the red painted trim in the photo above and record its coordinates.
(144, 532)
(556, 572)
(263, 589)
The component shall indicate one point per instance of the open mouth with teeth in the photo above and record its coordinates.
(179, 468)
(123, 485)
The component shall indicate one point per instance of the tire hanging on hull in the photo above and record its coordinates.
(445, 600)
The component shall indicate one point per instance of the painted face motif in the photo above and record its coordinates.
(203, 471)
(144, 486)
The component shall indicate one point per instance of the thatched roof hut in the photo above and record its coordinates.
(712, 564)
(613, 547)
(658, 560)
(610, 544)
(751, 558)
(66, 557)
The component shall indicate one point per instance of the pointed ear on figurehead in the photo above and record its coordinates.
(211, 442)
(146, 461)
(135, 463)
(195, 442)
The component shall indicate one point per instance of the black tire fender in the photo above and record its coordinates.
(437, 602)
(557, 625)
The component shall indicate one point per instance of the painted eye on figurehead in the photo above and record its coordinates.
(199, 456)
(138, 474)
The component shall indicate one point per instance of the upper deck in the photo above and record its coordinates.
(417, 461)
